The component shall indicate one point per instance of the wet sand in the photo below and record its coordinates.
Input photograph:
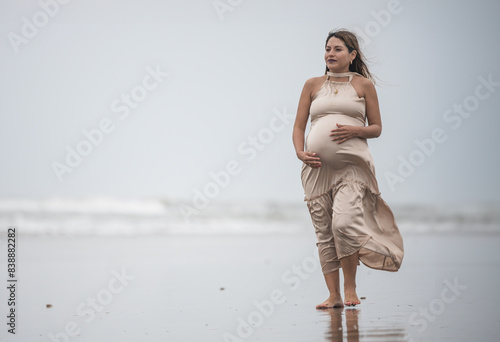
(247, 288)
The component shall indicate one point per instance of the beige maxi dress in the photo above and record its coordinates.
(342, 195)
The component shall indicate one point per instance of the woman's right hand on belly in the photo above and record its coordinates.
(309, 158)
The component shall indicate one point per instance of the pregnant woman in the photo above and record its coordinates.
(351, 220)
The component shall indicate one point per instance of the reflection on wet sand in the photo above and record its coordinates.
(352, 332)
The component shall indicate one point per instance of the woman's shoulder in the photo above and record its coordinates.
(362, 80)
(314, 81)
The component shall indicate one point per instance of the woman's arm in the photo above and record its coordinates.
(374, 128)
(299, 128)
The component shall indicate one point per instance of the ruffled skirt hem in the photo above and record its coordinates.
(352, 217)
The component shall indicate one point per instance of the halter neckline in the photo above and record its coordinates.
(339, 74)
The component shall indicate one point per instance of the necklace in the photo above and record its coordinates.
(338, 74)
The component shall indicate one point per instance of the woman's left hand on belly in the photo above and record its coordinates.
(344, 132)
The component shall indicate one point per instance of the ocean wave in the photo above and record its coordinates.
(119, 216)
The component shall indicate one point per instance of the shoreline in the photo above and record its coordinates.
(192, 288)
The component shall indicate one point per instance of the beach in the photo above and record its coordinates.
(155, 187)
(230, 287)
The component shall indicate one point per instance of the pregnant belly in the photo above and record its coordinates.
(331, 153)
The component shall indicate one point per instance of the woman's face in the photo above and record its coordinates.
(337, 56)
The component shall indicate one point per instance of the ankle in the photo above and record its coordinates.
(349, 287)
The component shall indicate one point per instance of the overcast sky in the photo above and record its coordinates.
(157, 98)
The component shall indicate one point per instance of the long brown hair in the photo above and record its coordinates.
(351, 42)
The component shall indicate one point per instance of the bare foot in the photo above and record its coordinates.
(351, 298)
(334, 301)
